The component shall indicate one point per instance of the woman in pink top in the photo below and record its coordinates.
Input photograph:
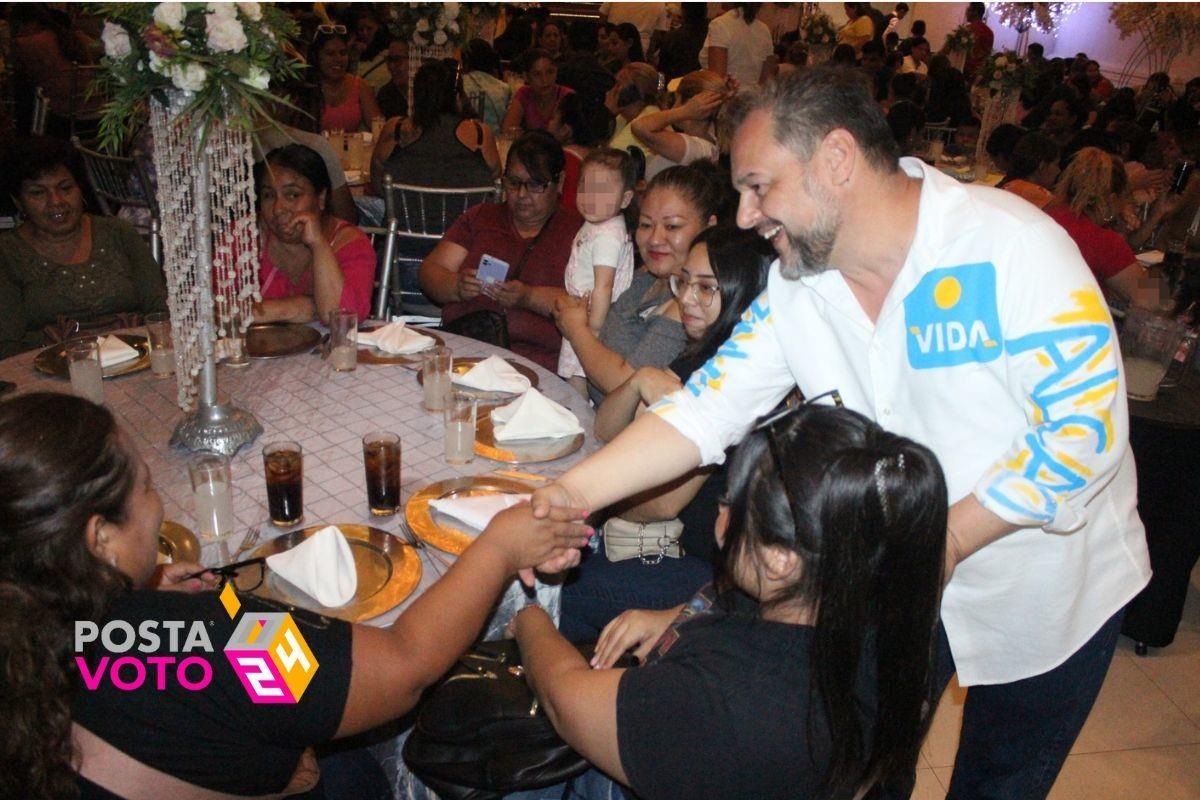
(310, 262)
(534, 104)
(347, 101)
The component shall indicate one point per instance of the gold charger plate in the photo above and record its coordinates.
(53, 360)
(279, 339)
(463, 365)
(446, 533)
(388, 572)
(372, 355)
(176, 543)
(520, 451)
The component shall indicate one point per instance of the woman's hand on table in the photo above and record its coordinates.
(173, 578)
(570, 314)
(653, 384)
(509, 294)
(469, 286)
(632, 629)
(527, 541)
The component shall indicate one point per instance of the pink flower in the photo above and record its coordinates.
(158, 42)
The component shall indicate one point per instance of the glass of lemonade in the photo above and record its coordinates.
(343, 340)
(459, 418)
(162, 349)
(436, 365)
(83, 365)
(212, 493)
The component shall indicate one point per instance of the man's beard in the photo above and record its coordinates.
(808, 252)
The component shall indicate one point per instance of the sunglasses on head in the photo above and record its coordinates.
(329, 30)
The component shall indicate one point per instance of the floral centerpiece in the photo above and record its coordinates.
(225, 54)
(959, 40)
(817, 30)
(428, 24)
(1004, 72)
(1001, 79)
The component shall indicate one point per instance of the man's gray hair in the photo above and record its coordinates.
(807, 104)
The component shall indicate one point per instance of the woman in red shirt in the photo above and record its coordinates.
(310, 262)
(347, 101)
(534, 104)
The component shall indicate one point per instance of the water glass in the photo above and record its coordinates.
(212, 493)
(381, 460)
(83, 365)
(1148, 343)
(936, 148)
(162, 350)
(235, 343)
(459, 419)
(436, 365)
(283, 468)
(982, 169)
(343, 340)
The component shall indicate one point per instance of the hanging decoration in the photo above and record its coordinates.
(1002, 79)
(428, 24)
(1045, 17)
(1165, 30)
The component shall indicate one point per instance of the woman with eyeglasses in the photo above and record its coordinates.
(528, 237)
(644, 327)
(806, 670)
(79, 524)
(346, 101)
(725, 271)
(533, 105)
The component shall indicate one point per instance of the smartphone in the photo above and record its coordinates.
(492, 270)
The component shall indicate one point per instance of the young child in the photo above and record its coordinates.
(601, 262)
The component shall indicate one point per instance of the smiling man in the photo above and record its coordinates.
(961, 317)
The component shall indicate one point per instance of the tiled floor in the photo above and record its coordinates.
(1142, 740)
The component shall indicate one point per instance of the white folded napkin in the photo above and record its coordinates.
(354, 176)
(533, 416)
(477, 510)
(322, 567)
(396, 338)
(115, 351)
(493, 374)
(1151, 257)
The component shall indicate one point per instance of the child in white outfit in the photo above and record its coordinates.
(601, 262)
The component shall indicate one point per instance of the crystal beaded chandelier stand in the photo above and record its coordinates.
(210, 251)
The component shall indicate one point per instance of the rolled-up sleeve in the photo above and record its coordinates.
(1064, 370)
(746, 378)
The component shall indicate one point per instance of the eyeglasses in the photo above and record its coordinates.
(704, 293)
(246, 575)
(769, 424)
(515, 185)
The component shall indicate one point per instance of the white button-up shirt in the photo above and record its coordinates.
(994, 349)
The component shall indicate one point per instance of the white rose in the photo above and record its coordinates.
(451, 10)
(440, 38)
(189, 77)
(422, 25)
(225, 34)
(169, 16)
(156, 64)
(116, 41)
(227, 10)
(253, 11)
(259, 78)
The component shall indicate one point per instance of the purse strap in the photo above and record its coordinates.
(530, 244)
(125, 776)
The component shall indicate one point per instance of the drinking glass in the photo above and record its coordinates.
(982, 169)
(436, 364)
(283, 467)
(212, 493)
(343, 340)
(1148, 343)
(936, 148)
(235, 342)
(459, 420)
(162, 350)
(83, 365)
(381, 460)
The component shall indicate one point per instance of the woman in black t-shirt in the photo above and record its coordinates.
(725, 271)
(79, 522)
(808, 671)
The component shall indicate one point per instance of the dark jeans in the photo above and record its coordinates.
(1015, 736)
(601, 589)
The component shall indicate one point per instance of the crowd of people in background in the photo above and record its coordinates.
(621, 148)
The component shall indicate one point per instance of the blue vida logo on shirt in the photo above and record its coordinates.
(950, 318)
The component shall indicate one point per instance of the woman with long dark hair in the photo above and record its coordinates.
(341, 100)
(79, 523)
(725, 271)
(807, 671)
(1033, 169)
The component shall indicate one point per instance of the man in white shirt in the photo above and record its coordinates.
(918, 58)
(969, 322)
(893, 21)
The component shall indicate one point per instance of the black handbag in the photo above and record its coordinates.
(480, 733)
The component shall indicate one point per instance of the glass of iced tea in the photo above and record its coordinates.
(283, 465)
(381, 459)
